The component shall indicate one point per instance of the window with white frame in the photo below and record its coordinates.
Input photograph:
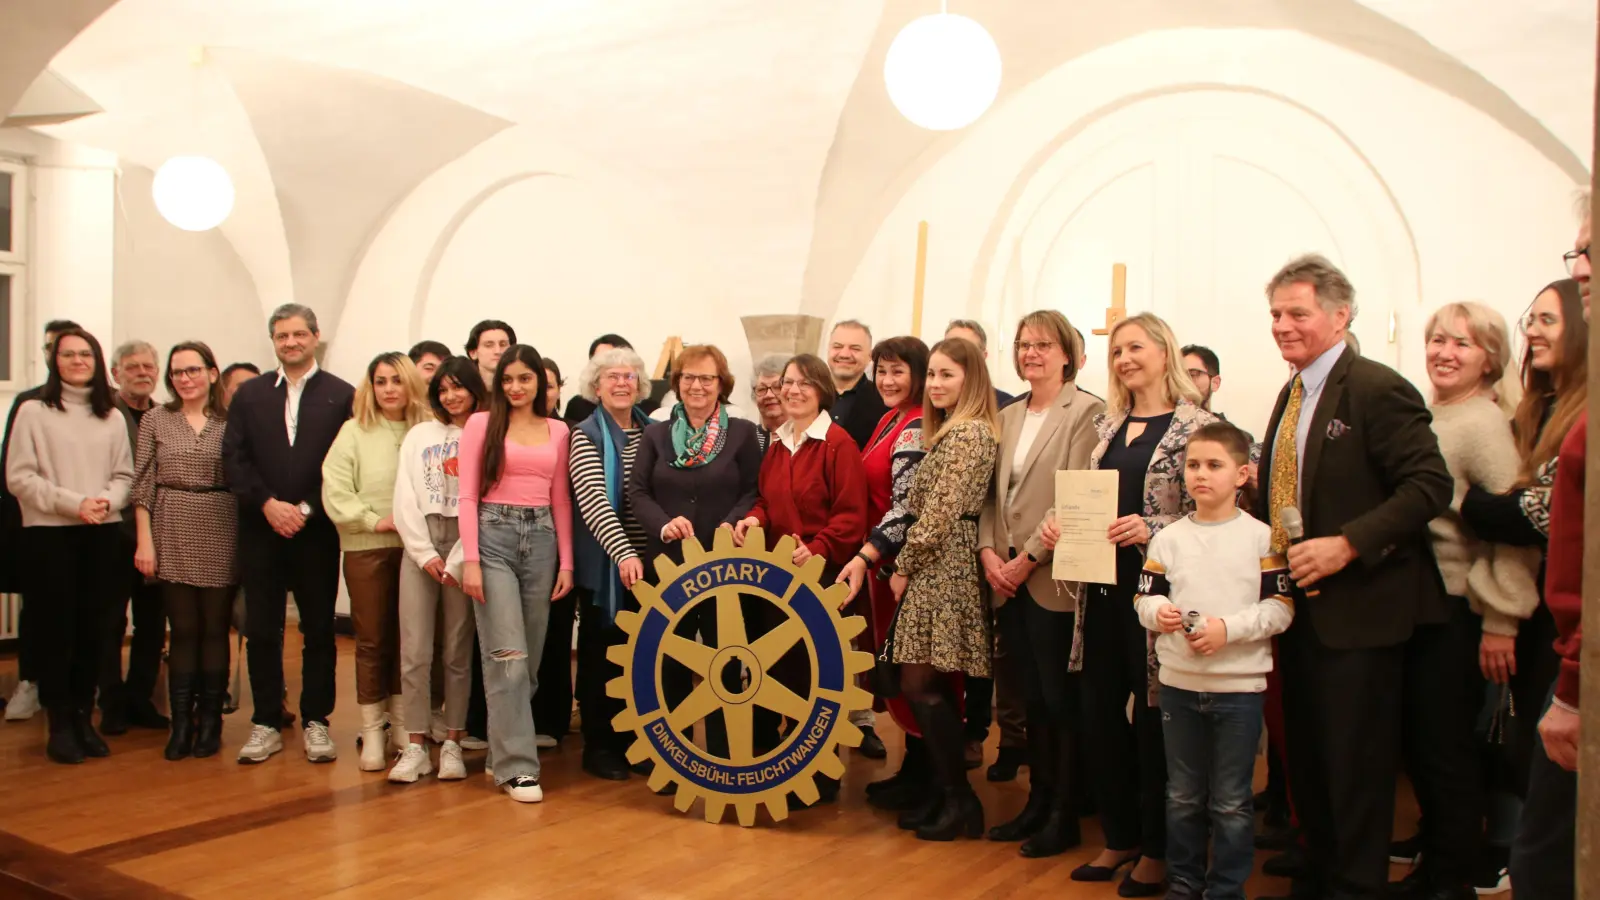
(13, 272)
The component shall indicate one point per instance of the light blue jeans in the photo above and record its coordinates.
(517, 553)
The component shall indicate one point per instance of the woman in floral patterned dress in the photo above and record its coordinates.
(941, 625)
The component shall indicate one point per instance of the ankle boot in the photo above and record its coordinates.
(1043, 753)
(208, 714)
(374, 757)
(180, 700)
(922, 813)
(1058, 834)
(959, 811)
(93, 745)
(63, 746)
(908, 788)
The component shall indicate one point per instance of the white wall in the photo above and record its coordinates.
(173, 285)
(1203, 158)
(524, 231)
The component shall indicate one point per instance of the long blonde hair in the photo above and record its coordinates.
(365, 405)
(1486, 328)
(1175, 381)
(977, 401)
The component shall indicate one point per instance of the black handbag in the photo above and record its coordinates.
(885, 671)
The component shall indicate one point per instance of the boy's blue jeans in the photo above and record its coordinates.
(1211, 742)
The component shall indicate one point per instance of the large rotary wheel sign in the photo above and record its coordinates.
(806, 614)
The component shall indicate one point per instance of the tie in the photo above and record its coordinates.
(1285, 467)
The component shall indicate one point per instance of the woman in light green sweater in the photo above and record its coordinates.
(358, 492)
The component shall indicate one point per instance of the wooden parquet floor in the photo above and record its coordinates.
(136, 826)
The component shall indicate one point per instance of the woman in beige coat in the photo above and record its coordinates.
(1050, 427)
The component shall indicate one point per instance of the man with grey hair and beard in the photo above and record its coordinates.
(134, 371)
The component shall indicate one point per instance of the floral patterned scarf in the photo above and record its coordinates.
(697, 447)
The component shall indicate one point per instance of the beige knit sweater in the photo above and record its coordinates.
(1499, 581)
(59, 457)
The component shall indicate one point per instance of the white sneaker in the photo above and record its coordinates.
(468, 742)
(319, 746)
(24, 702)
(451, 768)
(436, 727)
(525, 789)
(413, 764)
(544, 741)
(264, 742)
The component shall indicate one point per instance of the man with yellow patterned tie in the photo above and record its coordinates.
(1351, 446)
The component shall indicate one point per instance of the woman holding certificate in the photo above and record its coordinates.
(941, 625)
(1051, 427)
(1151, 409)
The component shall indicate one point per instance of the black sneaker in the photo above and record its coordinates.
(1406, 852)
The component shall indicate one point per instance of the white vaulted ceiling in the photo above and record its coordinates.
(744, 116)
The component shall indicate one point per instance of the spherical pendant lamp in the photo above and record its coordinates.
(942, 71)
(193, 192)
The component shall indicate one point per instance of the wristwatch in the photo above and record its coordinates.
(305, 509)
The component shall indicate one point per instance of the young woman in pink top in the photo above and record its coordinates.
(516, 536)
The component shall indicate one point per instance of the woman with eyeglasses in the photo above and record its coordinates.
(610, 543)
(186, 521)
(1555, 374)
(695, 473)
(69, 465)
(813, 489)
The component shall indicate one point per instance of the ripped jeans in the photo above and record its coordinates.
(517, 553)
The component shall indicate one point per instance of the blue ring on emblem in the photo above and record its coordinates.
(803, 743)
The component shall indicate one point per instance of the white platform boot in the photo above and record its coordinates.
(374, 755)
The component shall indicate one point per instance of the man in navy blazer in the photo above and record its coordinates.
(280, 426)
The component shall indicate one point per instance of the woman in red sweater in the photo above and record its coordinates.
(813, 486)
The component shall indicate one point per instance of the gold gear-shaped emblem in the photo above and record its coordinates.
(810, 618)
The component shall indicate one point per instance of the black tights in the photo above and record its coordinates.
(922, 682)
(199, 620)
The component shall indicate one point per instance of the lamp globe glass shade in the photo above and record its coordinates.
(193, 192)
(942, 71)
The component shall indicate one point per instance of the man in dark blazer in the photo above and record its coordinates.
(1350, 444)
(280, 426)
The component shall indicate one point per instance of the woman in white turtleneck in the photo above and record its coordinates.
(71, 469)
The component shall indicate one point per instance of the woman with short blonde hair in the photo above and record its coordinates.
(358, 477)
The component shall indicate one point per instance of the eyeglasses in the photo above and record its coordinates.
(798, 383)
(1030, 346)
(763, 390)
(702, 380)
(1544, 320)
(620, 378)
(1571, 258)
(76, 354)
(193, 372)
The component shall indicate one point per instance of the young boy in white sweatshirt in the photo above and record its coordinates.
(1216, 593)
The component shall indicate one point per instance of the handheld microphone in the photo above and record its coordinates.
(1295, 528)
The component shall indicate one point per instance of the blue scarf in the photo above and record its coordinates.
(596, 571)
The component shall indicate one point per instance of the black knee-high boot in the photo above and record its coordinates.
(960, 812)
(1042, 787)
(180, 697)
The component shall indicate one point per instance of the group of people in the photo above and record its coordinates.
(1372, 581)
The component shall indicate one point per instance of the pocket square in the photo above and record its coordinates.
(1337, 429)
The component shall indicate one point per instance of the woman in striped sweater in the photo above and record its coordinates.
(609, 543)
